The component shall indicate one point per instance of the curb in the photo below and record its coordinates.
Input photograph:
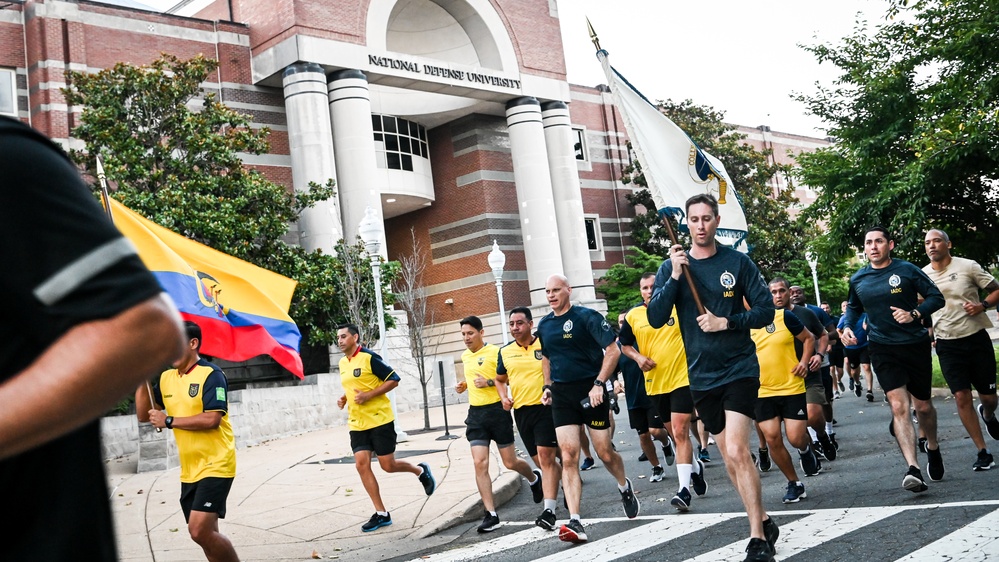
(505, 487)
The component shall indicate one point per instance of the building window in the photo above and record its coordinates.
(579, 144)
(592, 233)
(8, 92)
(397, 141)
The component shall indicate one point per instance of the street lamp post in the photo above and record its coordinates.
(496, 261)
(813, 262)
(370, 231)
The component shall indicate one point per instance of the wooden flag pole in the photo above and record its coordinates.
(103, 180)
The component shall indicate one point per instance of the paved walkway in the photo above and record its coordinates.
(300, 498)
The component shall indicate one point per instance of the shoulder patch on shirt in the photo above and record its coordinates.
(220, 393)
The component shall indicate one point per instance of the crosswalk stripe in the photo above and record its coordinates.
(635, 540)
(975, 541)
(494, 546)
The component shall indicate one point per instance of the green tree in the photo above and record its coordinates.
(915, 115)
(182, 169)
(620, 285)
(774, 239)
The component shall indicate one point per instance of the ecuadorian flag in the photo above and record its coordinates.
(242, 309)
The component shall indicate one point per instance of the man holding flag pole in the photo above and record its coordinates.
(719, 285)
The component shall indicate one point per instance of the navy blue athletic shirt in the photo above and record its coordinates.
(574, 343)
(877, 290)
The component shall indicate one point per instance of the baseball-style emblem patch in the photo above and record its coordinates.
(771, 328)
(727, 280)
(357, 372)
(481, 360)
(606, 327)
(894, 280)
(192, 390)
(670, 322)
(567, 327)
(537, 354)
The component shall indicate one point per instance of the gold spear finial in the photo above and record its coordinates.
(593, 34)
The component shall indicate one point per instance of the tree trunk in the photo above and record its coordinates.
(426, 408)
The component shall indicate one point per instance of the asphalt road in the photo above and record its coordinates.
(856, 508)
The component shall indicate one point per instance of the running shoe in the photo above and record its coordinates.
(921, 444)
(427, 479)
(795, 492)
(843, 388)
(657, 474)
(809, 462)
(771, 532)
(587, 464)
(681, 501)
(546, 520)
(643, 457)
(851, 384)
(819, 451)
(858, 389)
(668, 453)
(983, 462)
(703, 455)
(489, 523)
(572, 532)
(758, 551)
(377, 522)
(828, 450)
(832, 439)
(764, 463)
(992, 426)
(697, 479)
(913, 481)
(631, 505)
(536, 490)
(934, 465)
(870, 396)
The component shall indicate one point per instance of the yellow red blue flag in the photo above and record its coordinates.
(242, 309)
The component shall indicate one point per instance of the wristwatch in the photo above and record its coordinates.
(491, 382)
(168, 422)
(915, 314)
(598, 382)
(730, 326)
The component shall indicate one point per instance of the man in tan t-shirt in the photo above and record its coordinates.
(963, 344)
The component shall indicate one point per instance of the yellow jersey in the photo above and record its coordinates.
(777, 356)
(522, 366)
(663, 345)
(481, 362)
(364, 371)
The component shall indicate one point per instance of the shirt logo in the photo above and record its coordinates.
(605, 326)
(953, 277)
(537, 354)
(727, 280)
(481, 359)
(192, 390)
(894, 280)
(771, 328)
(357, 372)
(670, 322)
(567, 327)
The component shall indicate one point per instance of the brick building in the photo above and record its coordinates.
(452, 118)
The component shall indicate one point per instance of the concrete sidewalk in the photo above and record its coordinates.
(300, 497)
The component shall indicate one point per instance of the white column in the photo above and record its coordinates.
(568, 199)
(354, 147)
(534, 194)
(310, 141)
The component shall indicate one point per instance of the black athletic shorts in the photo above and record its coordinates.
(836, 356)
(791, 407)
(379, 439)
(489, 423)
(208, 495)
(736, 396)
(968, 362)
(859, 356)
(677, 402)
(641, 419)
(567, 407)
(536, 427)
(909, 365)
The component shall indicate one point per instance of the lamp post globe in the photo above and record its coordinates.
(497, 259)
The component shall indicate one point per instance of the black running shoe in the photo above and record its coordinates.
(828, 450)
(668, 453)
(934, 465)
(643, 458)
(921, 445)
(489, 523)
(546, 520)
(536, 489)
(764, 463)
(992, 426)
(983, 462)
(913, 481)
(377, 522)
(832, 437)
(819, 451)
(681, 501)
(427, 479)
(697, 479)
(572, 532)
(809, 462)
(758, 551)
(858, 389)
(631, 505)
(771, 532)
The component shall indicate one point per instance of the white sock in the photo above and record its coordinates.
(805, 450)
(382, 513)
(829, 429)
(575, 516)
(623, 488)
(550, 504)
(493, 513)
(536, 478)
(815, 436)
(683, 474)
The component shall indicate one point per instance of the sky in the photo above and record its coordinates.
(739, 57)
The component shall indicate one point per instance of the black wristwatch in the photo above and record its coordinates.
(168, 422)
(491, 382)
(915, 314)
(598, 382)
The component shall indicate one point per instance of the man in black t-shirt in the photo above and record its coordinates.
(76, 299)
(579, 354)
